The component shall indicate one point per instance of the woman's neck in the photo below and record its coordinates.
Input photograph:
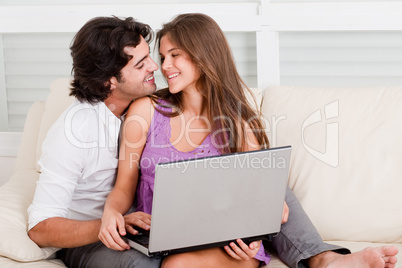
(193, 104)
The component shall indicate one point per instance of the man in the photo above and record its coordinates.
(112, 67)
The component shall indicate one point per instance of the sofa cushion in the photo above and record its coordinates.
(57, 101)
(345, 165)
(53, 263)
(255, 98)
(15, 197)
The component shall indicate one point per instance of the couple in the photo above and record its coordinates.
(112, 67)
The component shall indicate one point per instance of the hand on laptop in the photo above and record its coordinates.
(114, 226)
(244, 252)
(137, 219)
(285, 214)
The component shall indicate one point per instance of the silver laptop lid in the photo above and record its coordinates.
(216, 199)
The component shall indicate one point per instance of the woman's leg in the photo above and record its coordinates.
(214, 257)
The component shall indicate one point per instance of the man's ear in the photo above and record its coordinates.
(113, 83)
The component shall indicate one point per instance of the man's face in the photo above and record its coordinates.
(137, 77)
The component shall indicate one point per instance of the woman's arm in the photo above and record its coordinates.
(134, 136)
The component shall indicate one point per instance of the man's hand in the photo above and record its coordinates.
(114, 226)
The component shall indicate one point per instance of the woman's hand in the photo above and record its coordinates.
(114, 226)
(244, 252)
(285, 214)
(139, 219)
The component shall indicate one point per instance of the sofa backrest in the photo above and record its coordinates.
(26, 158)
(57, 101)
(39, 119)
(346, 159)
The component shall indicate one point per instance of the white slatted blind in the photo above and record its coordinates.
(244, 50)
(341, 58)
(33, 61)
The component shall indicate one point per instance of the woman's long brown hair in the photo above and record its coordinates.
(222, 89)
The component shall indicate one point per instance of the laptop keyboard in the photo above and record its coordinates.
(141, 238)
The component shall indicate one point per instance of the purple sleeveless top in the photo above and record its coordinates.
(159, 149)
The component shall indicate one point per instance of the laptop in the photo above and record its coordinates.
(212, 201)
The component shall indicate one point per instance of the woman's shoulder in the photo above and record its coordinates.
(141, 108)
(140, 104)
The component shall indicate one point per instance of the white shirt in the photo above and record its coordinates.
(78, 164)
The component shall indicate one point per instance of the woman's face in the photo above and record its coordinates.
(180, 73)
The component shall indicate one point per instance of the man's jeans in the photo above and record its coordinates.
(97, 255)
(298, 239)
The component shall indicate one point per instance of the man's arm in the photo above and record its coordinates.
(65, 233)
(63, 163)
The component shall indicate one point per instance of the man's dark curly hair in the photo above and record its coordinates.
(98, 54)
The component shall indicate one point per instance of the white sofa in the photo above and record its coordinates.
(345, 168)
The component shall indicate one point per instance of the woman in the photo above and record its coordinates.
(204, 112)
